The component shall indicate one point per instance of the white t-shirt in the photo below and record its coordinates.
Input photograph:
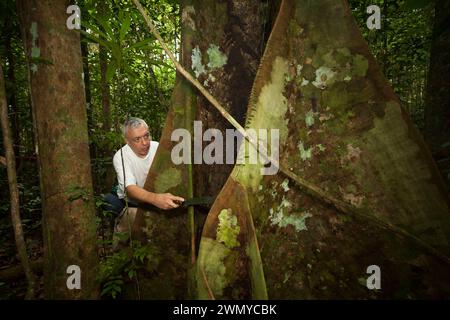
(136, 168)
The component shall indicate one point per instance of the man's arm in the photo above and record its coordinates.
(161, 200)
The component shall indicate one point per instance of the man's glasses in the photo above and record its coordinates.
(145, 137)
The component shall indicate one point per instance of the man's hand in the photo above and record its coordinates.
(163, 201)
(167, 201)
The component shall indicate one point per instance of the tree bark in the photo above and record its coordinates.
(342, 129)
(14, 191)
(237, 31)
(59, 114)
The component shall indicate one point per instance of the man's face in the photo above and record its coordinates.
(139, 140)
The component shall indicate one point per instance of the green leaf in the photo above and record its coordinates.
(106, 26)
(131, 274)
(96, 39)
(130, 73)
(140, 44)
(111, 70)
(124, 28)
(116, 52)
(94, 28)
(416, 4)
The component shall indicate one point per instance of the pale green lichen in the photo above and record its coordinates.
(268, 113)
(279, 218)
(337, 65)
(299, 222)
(212, 255)
(272, 104)
(321, 147)
(287, 77)
(196, 59)
(309, 119)
(273, 193)
(168, 179)
(35, 50)
(211, 78)
(285, 185)
(324, 77)
(217, 59)
(305, 154)
(228, 229)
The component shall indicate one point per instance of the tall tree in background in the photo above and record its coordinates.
(14, 191)
(58, 102)
(103, 10)
(11, 96)
(437, 109)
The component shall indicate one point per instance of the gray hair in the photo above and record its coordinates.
(133, 123)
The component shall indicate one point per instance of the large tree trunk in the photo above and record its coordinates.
(235, 39)
(343, 130)
(58, 101)
(437, 108)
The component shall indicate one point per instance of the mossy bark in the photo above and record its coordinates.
(343, 129)
(59, 114)
(221, 31)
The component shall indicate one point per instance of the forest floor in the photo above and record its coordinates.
(14, 285)
(14, 288)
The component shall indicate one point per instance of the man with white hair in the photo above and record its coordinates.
(138, 154)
